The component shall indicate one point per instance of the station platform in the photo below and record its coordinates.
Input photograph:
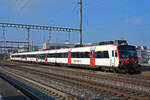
(8, 92)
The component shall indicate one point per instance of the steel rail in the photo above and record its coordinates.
(113, 78)
(22, 87)
(87, 83)
(65, 96)
(124, 80)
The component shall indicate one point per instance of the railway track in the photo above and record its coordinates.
(56, 93)
(98, 86)
(135, 76)
(125, 78)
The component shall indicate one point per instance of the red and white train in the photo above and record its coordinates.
(102, 56)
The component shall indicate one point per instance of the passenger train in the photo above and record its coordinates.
(116, 57)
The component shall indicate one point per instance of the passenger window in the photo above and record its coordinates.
(72, 55)
(113, 53)
(81, 54)
(91, 54)
(98, 55)
(87, 55)
(106, 54)
(116, 53)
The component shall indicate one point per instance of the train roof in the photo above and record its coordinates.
(66, 48)
(75, 48)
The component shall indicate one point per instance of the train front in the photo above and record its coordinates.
(128, 59)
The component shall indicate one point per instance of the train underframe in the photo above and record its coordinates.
(127, 68)
(123, 68)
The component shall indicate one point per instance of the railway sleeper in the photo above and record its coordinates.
(107, 85)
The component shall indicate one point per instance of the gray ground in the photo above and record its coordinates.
(8, 92)
(145, 70)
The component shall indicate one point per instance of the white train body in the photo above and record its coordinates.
(90, 56)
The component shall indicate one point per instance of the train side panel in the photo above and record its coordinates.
(92, 58)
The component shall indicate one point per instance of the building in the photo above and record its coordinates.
(45, 46)
(31, 48)
(56, 45)
(143, 53)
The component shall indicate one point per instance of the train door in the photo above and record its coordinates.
(21, 58)
(45, 59)
(92, 58)
(113, 58)
(26, 58)
(37, 59)
(69, 58)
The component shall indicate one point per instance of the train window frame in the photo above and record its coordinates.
(42, 56)
(73, 54)
(65, 55)
(106, 54)
(101, 54)
(87, 54)
(98, 54)
(50, 55)
(80, 54)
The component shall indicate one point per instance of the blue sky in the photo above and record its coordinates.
(102, 19)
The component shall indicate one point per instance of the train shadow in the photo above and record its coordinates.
(144, 69)
(85, 68)
(141, 69)
(19, 97)
(108, 70)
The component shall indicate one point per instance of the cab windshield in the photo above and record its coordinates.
(127, 52)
